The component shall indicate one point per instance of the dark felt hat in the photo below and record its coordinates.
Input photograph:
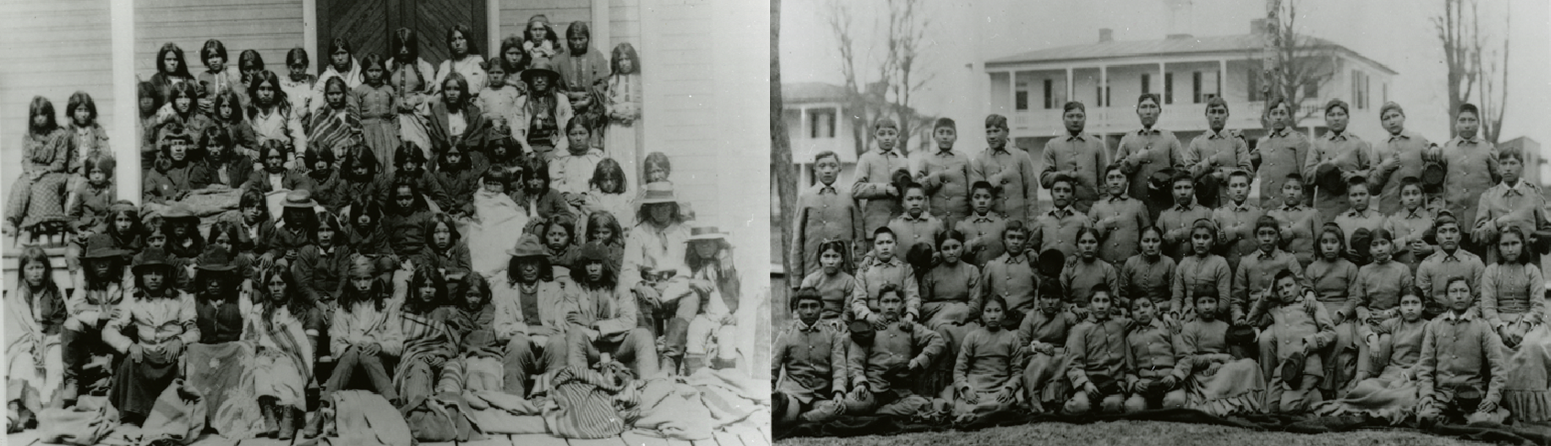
(151, 257)
(541, 67)
(593, 252)
(216, 259)
(1204, 289)
(101, 246)
(1242, 335)
(1328, 178)
(1292, 369)
(861, 332)
(528, 246)
(1362, 240)
(299, 198)
(1542, 242)
(1161, 181)
(899, 376)
(1050, 262)
(1207, 189)
(179, 210)
(1433, 174)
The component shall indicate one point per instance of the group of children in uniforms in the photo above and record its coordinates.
(1355, 286)
(386, 237)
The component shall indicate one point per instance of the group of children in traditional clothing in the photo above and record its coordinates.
(495, 247)
(1355, 286)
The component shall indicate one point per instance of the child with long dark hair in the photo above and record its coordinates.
(712, 273)
(405, 221)
(622, 106)
(560, 241)
(428, 343)
(254, 223)
(445, 249)
(226, 164)
(536, 195)
(38, 195)
(411, 76)
(177, 173)
(216, 79)
(277, 108)
(228, 114)
(368, 231)
(410, 166)
(471, 318)
(96, 297)
(88, 139)
(123, 225)
(457, 174)
(497, 223)
(35, 313)
(456, 120)
(377, 104)
(284, 331)
(171, 70)
(163, 319)
(357, 180)
(342, 65)
(298, 222)
(181, 109)
(606, 193)
(602, 228)
(89, 207)
(336, 124)
(320, 267)
(275, 175)
(363, 332)
(605, 319)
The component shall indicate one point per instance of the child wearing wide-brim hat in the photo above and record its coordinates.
(98, 295)
(654, 256)
(713, 275)
(298, 221)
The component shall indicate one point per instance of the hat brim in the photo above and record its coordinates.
(217, 268)
(158, 264)
(307, 205)
(528, 74)
(523, 255)
(646, 201)
(715, 236)
(104, 254)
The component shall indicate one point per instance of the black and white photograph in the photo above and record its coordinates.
(1160, 222)
(386, 222)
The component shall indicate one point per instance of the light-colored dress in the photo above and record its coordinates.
(34, 365)
(498, 222)
(471, 69)
(1392, 393)
(410, 82)
(1511, 294)
(379, 121)
(282, 362)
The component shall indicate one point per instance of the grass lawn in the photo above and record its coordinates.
(1132, 433)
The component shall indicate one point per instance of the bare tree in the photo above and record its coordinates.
(1293, 64)
(901, 72)
(1475, 71)
(840, 23)
(781, 167)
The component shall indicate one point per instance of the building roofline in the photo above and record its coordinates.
(1027, 57)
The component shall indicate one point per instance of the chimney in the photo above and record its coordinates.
(1258, 26)
(1106, 35)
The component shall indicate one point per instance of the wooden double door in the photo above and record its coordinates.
(368, 24)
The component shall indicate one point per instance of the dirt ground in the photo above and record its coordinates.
(1133, 433)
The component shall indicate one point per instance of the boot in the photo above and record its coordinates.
(313, 425)
(267, 407)
(678, 336)
(693, 363)
(667, 365)
(287, 422)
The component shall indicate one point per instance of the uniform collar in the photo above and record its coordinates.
(1279, 133)
(1151, 131)
(1184, 207)
(1398, 136)
(1077, 137)
(1364, 214)
(1460, 140)
(1015, 259)
(1449, 316)
(805, 327)
(889, 152)
(1122, 197)
(906, 217)
(1419, 212)
(945, 153)
(1455, 257)
(892, 261)
(1241, 207)
(1217, 135)
(1336, 136)
(1514, 189)
(1267, 255)
(987, 218)
(827, 189)
(1061, 212)
(1002, 149)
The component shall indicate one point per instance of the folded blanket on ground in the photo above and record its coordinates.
(850, 426)
(692, 407)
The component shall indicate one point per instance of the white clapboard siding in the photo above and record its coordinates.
(272, 27)
(625, 21)
(515, 15)
(51, 49)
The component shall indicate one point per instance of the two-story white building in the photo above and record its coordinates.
(1107, 77)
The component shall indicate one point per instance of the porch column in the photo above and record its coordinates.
(310, 31)
(1012, 92)
(493, 26)
(1222, 73)
(1162, 75)
(601, 25)
(126, 101)
(1068, 86)
(1103, 95)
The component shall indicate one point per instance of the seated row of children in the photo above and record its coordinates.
(1048, 296)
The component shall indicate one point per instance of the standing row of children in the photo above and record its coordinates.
(1171, 288)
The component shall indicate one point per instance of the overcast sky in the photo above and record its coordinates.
(1397, 33)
